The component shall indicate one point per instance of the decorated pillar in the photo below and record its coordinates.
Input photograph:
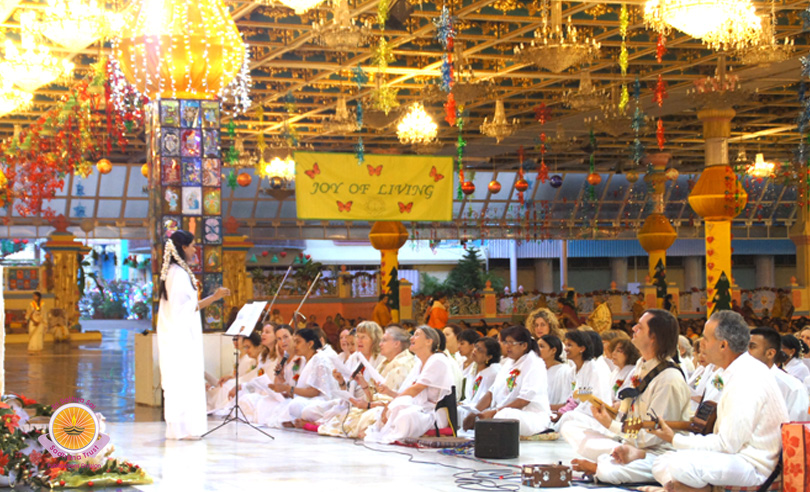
(67, 255)
(234, 270)
(717, 197)
(184, 63)
(657, 234)
(405, 299)
(388, 237)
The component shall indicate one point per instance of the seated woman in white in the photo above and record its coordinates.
(466, 345)
(286, 371)
(347, 344)
(368, 336)
(793, 348)
(560, 374)
(316, 384)
(268, 360)
(217, 396)
(486, 356)
(587, 376)
(624, 355)
(685, 354)
(361, 415)
(520, 391)
(412, 411)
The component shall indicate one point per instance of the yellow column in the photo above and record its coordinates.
(717, 197)
(67, 255)
(657, 234)
(234, 271)
(800, 235)
(388, 237)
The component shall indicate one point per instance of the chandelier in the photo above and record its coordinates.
(718, 92)
(282, 168)
(555, 49)
(299, 6)
(760, 168)
(76, 24)
(720, 24)
(343, 121)
(499, 127)
(417, 127)
(12, 99)
(244, 159)
(342, 33)
(767, 50)
(30, 66)
(587, 97)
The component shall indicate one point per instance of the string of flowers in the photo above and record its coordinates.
(659, 94)
(637, 148)
(624, 21)
(384, 97)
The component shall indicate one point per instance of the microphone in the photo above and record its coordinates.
(280, 366)
(357, 371)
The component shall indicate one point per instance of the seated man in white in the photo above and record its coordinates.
(764, 346)
(747, 441)
(662, 389)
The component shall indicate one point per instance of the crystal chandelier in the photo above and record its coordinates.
(555, 49)
(342, 33)
(343, 121)
(76, 24)
(718, 92)
(499, 127)
(282, 168)
(12, 99)
(720, 24)
(417, 127)
(30, 66)
(760, 168)
(767, 50)
(244, 159)
(587, 97)
(299, 6)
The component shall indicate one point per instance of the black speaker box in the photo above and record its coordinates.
(497, 439)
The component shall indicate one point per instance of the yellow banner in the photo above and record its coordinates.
(385, 187)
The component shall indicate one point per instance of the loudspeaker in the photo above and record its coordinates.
(497, 439)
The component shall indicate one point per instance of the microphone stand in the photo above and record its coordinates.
(270, 308)
(233, 415)
(298, 309)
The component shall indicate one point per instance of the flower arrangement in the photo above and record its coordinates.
(24, 462)
(635, 381)
(477, 384)
(618, 384)
(718, 382)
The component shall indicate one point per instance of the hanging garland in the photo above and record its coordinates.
(460, 144)
(543, 114)
(637, 148)
(384, 97)
(624, 21)
(360, 78)
(592, 180)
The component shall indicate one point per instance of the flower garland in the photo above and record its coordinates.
(635, 381)
(618, 384)
(512, 379)
(718, 383)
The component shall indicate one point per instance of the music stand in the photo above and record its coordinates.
(242, 326)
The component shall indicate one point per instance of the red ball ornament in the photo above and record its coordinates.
(522, 185)
(283, 254)
(90, 483)
(119, 481)
(145, 171)
(308, 257)
(244, 179)
(494, 187)
(104, 166)
(265, 253)
(468, 187)
(62, 482)
(594, 179)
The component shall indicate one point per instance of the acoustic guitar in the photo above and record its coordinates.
(584, 395)
(702, 423)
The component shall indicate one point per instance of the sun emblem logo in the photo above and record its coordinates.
(74, 428)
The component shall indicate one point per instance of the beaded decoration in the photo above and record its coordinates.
(169, 252)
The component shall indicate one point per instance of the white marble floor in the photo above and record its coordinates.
(237, 457)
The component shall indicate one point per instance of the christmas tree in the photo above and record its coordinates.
(468, 275)
(393, 290)
(722, 296)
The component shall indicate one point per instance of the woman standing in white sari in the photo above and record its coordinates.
(35, 316)
(412, 412)
(179, 326)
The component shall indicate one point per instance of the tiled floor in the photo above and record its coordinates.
(235, 457)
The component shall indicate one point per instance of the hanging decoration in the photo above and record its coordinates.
(342, 122)
(521, 185)
(460, 145)
(342, 33)
(36, 161)
(499, 127)
(592, 175)
(586, 97)
(637, 123)
(543, 115)
(659, 134)
(660, 91)
(720, 24)
(76, 24)
(624, 21)
(661, 47)
(384, 97)
(360, 78)
(767, 50)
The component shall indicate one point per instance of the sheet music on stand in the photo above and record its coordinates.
(246, 319)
